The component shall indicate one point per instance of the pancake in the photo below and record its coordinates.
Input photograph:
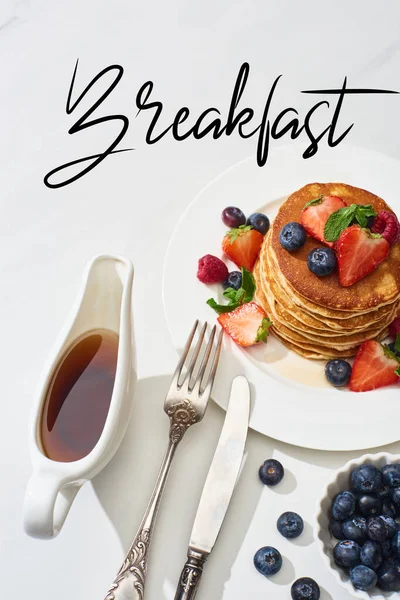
(377, 289)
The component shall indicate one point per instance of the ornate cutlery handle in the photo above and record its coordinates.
(130, 581)
(190, 577)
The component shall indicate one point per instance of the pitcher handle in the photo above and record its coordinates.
(47, 503)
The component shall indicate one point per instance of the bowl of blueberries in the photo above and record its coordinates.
(358, 526)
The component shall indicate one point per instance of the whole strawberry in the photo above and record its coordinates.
(387, 224)
(211, 269)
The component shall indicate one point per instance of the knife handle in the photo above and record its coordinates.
(191, 574)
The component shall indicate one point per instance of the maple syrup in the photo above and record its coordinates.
(79, 395)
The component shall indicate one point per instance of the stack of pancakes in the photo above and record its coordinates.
(316, 316)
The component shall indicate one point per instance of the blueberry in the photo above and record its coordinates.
(267, 561)
(389, 577)
(271, 472)
(233, 216)
(392, 348)
(370, 222)
(396, 545)
(234, 280)
(355, 529)
(371, 554)
(389, 509)
(363, 578)
(391, 475)
(347, 553)
(366, 478)
(343, 506)
(292, 236)
(396, 496)
(369, 504)
(377, 529)
(290, 525)
(259, 222)
(384, 492)
(338, 372)
(322, 261)
(336, 530)
(387, 549)
(390, 524)
(305, 588)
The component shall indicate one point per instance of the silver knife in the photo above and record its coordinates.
(218, 488)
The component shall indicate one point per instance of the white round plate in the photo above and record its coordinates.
(292, 401)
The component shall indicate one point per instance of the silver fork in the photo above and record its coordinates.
(185, 405)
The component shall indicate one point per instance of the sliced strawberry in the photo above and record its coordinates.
(242, 245)
(359, 253)
(314, 216)
(247, 325)
(373, 367)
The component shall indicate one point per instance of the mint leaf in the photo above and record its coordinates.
(397, 343)
(263, 330)
(236, 297)
(313, 202)
(338, 221)
(363, 212)
(222, 308)
(232, 234)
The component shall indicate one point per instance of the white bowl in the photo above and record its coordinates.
(326, 542)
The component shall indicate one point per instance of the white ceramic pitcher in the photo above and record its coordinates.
(104, 302)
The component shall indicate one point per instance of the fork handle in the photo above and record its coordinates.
(129, 583)
(191, 574)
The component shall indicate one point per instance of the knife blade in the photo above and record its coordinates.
(218, 488)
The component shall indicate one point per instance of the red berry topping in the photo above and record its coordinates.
(394, 327)
(211, 269)
(372, 368)
(316, 214)
(387, 224)
(358, 254)
(246, 325)
(242, 245)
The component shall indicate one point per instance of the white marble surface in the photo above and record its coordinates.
(129, 204)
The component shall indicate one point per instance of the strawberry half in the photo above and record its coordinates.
(359, 253)
(242, 246)
(373, 367)
(314, 216)
(247, 325)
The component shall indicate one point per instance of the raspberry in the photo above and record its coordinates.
(211, 269)
(387, 224)
(394, 327)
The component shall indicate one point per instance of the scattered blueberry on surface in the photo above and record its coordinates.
(390, 524)
(389, 508)
(366, 478)
(363, 578)
(234, 280)
(396, 495)
(343, 506)
(372, 554)
(347, 553)
(336, 529)
(322, 261)
(305, 588)
(369, 505)
(377, 529)
(391, 475)
(292, 236)
(271, 472)
(395, 543)
(355, 529)
(259, 222)
(338, 372)
(233, 217)
(290, 525)
(389, 577)
(268, 561)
